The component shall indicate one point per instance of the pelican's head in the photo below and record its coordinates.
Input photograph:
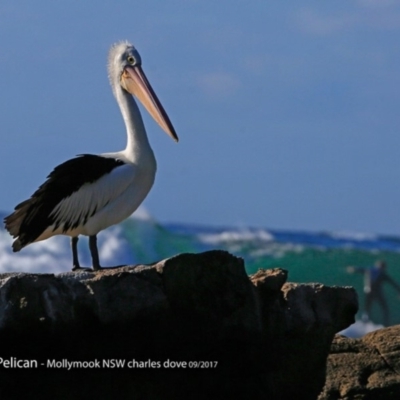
(125, 69)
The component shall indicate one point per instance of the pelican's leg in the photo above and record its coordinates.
(94, 252)
(75, 260)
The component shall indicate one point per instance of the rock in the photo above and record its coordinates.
(365, 368)
(192, 326)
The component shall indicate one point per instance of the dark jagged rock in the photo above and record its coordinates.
(264, 338)
(366, 368)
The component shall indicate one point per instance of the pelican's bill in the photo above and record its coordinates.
(134, 80)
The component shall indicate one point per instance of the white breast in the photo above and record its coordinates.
(124, 204)
(105, 202)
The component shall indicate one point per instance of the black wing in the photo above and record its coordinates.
(31, 217)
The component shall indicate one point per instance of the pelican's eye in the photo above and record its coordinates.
(130, 60)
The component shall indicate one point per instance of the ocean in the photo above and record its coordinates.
(308, 256)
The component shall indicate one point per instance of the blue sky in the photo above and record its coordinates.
(287, 112)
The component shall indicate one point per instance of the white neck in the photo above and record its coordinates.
(137, 145)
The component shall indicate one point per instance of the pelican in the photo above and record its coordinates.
(89, 193)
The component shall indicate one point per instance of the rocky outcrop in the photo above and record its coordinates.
(192, 326)
(366, 368)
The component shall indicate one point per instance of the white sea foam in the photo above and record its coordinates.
(360, 328)
(48, 256)
(111, 245)
(143, 214)
(255, 243)
(231, 236)
(54, 255)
